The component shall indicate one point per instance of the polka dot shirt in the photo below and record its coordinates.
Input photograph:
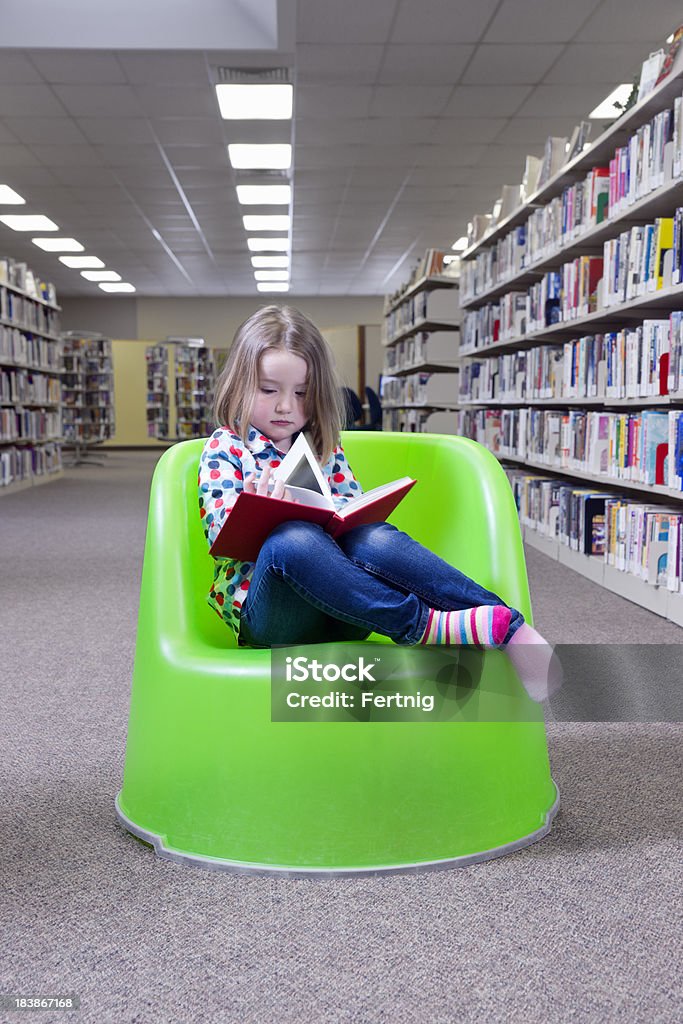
(225, 463)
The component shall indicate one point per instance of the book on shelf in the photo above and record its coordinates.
(532, 169)
(672, 55)
(649, 73)
(554, 158)
(254, 516)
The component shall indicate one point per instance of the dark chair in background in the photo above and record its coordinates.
(354, 410)
(375, 410)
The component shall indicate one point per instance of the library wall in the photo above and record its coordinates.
(215, 319)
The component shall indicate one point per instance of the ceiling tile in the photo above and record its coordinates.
(354, 21)
(609, 63)
(78, 67)
(486, 100)
(126, 130)
(423, 64)
(99, 100)
(177, 101)
(188, 131)
(316, 131)
(556, 21)
(413, 101)
(158, 69)
(510, 64)
(617, 22)
(357, 63)
(562, 101)
(199, 156)
(332, 101)
(29, 101)
(46, 130)
(432, 21)
(14, 155)
(464, 131)
(17, 69)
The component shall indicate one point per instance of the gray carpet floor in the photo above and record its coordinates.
(583, 926)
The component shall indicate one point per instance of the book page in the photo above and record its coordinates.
(300, 468)
(377, 492)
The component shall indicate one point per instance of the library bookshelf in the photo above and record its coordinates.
(421, 357)
(30, 380)
(572, 346)
(87, 393)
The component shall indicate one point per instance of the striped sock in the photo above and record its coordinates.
(485, 626)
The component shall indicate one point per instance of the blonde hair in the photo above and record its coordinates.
(284, 328)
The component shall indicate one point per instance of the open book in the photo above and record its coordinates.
(308, 499)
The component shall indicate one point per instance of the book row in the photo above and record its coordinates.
(17, 464)
(421, 389)
(29, 425)
(643, 448)
(639, 261)
(27, 314)
(25, 386)
(641, 361)
(19, 275)
(641, 539)
(88, 426)
(650, 159)
(20, 349)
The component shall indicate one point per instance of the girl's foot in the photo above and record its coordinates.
(537, 665)
(484, 626)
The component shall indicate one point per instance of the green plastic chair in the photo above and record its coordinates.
(210, 779)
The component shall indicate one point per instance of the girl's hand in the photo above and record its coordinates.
(261, 487)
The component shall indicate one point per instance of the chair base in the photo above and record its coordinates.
(218, 864)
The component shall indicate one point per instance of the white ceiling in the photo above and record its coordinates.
(409, 116)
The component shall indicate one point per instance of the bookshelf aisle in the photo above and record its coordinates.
(421, 338)
(572, 345)
(180, 382)
(87, 394)
(194, 383)
(30, 369)
(156, 357)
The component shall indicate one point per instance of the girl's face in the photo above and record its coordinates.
(279, 405)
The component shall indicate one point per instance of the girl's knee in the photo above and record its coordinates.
(293, 540)
(366, 541)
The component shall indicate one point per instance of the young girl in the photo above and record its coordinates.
(305, 587)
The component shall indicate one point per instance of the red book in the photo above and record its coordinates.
(254, 516)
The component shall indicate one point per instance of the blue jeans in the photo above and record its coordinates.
(308, 588)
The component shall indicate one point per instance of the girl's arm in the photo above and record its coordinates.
(221, 480)
(343, 483)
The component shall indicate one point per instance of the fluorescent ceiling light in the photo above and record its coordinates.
(8, 197)
(100, 275)
(58, 244)
(270, 222)
(460, 244)
(264, 195)
(262, 286)
(269, 261)
(28, 222)
(271, 275)
(255, 102)
(81, 262)
(258, 157)
(268, 244)
(123, 287)
(607, 108)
